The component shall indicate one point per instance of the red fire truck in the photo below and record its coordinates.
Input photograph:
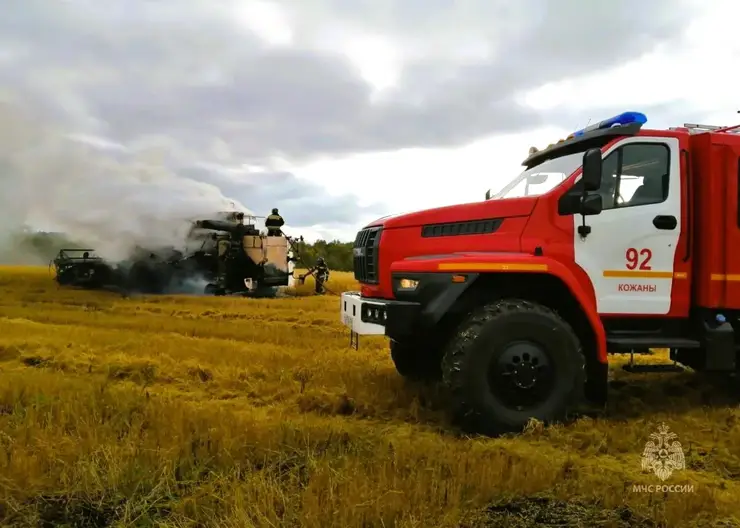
(617, 239)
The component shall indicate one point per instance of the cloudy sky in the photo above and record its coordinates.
(341, 111)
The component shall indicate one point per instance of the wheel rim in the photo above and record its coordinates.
(521, 377)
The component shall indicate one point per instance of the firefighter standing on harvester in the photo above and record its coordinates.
(274, 222)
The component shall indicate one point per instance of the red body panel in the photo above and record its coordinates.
(707, 246)
(731, 166)
(716, 235)
(461, 213)
(403, 242)
(476, 261)
(554, 234)
(683, 261)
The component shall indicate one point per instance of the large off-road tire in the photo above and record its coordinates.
(510, 361)
(418, 361)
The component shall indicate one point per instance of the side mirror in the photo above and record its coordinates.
(592, 170)
(591, 204)
(488, 194)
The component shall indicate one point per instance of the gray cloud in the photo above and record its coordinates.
(300, 202)
(191, 72)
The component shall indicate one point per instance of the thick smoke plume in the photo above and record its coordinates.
(112, 202)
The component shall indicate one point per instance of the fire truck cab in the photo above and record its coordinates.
(617, 239)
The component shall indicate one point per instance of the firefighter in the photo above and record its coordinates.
(273, 223)
(224, 246)
(239, 230)
(321, 273)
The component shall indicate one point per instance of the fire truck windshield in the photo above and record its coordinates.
(541, 178)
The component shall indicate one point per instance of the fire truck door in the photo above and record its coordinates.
(629, 254)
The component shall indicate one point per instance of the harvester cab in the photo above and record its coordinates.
(629, 244)
(79, 267)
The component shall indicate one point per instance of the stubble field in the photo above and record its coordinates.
(187, 411)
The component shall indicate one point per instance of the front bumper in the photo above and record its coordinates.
(394, 319)
(415, 311)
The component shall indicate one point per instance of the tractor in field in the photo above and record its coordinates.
(230, 257)
(614, 240)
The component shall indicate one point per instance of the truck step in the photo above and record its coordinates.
(651, 369)
(628, 343)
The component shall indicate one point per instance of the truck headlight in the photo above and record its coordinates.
(408, 284)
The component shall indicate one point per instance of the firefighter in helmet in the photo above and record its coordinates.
(239, 230)
(321, 273)
(274, 222)
(223, 245)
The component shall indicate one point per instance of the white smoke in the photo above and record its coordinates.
(49, 180)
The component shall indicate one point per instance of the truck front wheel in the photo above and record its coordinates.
(418, 361)
(510, 361)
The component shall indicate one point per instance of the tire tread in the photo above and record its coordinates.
(459, 348)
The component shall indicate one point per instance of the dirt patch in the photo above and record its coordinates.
(529, 512)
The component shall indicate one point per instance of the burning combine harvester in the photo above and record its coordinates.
(231, 258)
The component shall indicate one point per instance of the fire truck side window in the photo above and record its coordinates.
(636, 174)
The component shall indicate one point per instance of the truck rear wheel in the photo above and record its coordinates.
(417, 361)
(513, 360)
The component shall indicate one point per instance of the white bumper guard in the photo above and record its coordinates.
(363, 317)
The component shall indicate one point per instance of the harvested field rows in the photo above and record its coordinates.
(188, 411)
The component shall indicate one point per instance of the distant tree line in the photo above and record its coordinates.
(41, 247)
(338, 255)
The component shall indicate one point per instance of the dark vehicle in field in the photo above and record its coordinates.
(232, 258)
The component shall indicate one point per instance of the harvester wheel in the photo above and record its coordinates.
(510, 361)
(417, 361)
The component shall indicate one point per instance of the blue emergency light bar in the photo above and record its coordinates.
(626, 118)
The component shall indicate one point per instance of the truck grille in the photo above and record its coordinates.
(365, 255)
